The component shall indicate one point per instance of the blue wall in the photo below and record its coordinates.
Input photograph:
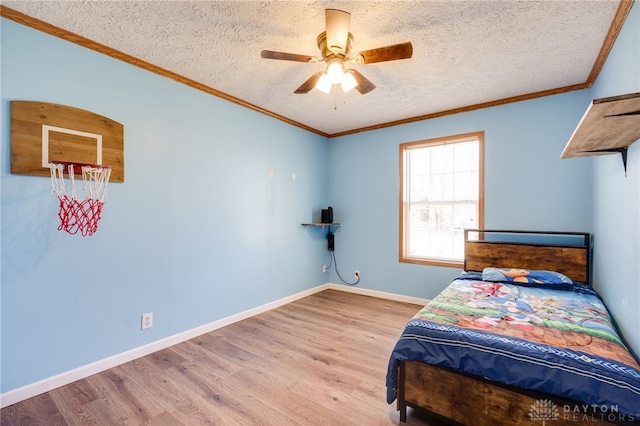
(198, 231)
(616, 198)
(527, 185)
(220, 235)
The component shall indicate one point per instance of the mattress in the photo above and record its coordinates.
(558, 339)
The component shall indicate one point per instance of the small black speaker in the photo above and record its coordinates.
(327, 215)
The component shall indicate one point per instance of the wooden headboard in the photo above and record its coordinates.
(566, 252)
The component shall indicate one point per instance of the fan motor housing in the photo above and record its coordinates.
(327, 52)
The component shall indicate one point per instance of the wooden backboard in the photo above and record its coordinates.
(43, 132)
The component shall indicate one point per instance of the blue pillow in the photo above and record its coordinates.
(528, 277)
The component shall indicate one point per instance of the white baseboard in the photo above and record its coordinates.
(379, 294)
(50, 383)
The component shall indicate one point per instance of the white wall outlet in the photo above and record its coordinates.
(357, 275)
(324, 268)
(147, 320)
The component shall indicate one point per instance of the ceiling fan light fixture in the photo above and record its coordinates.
(348, 81)
(335, 45)
(324, 83)
(335, 72)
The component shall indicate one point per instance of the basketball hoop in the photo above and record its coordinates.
(81, 215)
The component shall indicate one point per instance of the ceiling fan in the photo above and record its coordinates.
(335, 45)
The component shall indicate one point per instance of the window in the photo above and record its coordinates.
(441, 194)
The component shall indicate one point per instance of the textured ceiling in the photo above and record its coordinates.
(465, 52)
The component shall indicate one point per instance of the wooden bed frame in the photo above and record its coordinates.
(457, 398)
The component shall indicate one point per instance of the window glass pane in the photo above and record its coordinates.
(419, 188)
(441, 159)
(440, 188)
(465, 186)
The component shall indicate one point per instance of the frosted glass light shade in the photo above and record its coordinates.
(348, 82)
(324, 83)
(335, 72)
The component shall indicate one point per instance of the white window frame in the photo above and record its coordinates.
(405, 202)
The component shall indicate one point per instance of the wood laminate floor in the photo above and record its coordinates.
(320, 360)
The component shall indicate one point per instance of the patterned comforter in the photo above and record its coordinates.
(560, 342)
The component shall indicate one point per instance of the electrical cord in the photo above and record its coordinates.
(332, 256)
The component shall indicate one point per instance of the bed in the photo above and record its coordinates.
(519, 337)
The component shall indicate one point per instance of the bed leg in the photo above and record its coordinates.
(402, 404)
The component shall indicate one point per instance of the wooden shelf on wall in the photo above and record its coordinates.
(335, 225)
(608, 126)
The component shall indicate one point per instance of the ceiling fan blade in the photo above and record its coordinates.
(364, 86)
(387, 53)
(270, 54)
(337, 29)
(308, 85)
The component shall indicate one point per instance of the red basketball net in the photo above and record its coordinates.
(80, 215)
